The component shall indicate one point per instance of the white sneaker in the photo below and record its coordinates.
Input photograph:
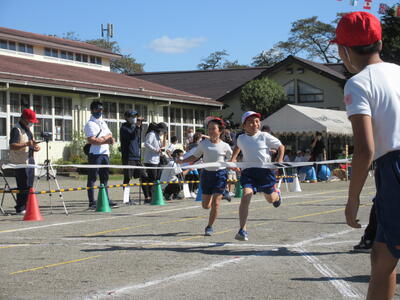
(193, 195)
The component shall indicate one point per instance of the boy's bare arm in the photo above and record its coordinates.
(362, 159)
(281, 153)
(235, 153)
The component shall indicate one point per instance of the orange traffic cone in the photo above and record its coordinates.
(32, 208)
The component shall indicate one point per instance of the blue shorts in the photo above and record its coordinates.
(387, 201)
(213, 182)
(258, 179)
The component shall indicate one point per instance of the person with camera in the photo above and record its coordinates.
(22, 148)
(100, 138)
(130, 137)
(153, 150)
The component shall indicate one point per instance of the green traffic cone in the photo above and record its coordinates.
(238, 189)
(157, 198)
(102, 200)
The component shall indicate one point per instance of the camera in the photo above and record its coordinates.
(46, 136)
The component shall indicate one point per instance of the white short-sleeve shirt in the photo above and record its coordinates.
(255, 148)
(92, 128)
(211, 152)
(375, 92)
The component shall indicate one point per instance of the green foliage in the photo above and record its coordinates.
(262, 95)
(216, 60)
(391, 37)
(268, 58)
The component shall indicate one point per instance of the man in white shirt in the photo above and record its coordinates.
(99, 136)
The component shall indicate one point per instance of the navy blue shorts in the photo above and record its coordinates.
(258, 179)
(213, 182)
(387, 201)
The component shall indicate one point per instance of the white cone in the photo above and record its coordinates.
(295, 187)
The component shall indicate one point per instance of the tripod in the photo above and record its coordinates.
(7, 189)
(50, 174)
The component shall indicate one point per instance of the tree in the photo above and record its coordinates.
(309, 37)
(216, 60)
(391, 37)
(125, 65)
(262, 95)
(268, 58)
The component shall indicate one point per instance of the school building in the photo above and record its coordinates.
(59, 78)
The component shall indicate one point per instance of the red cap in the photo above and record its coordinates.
(358, 29)
(29, 115)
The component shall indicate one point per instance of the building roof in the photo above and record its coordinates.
(332, 71)
(51, 41)
(208, 83)
(51, 75)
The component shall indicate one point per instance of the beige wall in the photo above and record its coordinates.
(333, 92)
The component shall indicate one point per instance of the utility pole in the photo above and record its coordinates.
(109, 30)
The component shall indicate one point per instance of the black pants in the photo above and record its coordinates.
(172, 189)
(135, 173)
(152, 176)
(24, 179)
(97, 159)
(370, 230)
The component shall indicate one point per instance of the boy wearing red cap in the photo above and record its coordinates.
(255, 146)
(372, 99)
(22, 147)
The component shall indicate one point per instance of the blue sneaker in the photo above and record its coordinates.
(242, 235)
(208, 231)
(279, 202)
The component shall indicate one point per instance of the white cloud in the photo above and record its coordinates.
(166, 44)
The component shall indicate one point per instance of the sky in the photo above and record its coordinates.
(175, 35)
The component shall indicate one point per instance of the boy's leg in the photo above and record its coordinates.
(216, 199)
(382, 284)
(244, 207)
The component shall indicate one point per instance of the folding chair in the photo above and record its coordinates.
(7, 189)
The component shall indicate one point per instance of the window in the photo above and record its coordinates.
(42, 104)
(47, 51)
(177, 131)
(141, 110)
(92, 59)
(165, 114)
(18, 102)
(78, 57)
(84, 58)
(290, 91)
(3, 127)
(63, 130)
(98, 60)
(3, 44)
(54, 52)
(123, 107)
(63, 54)
(70, 56)
(308, 93)
(29, 49)
(199, 116)
(110, 110)
(113, 126)
(21, 47)
(44, 125)
(12, 46)
(175, 115)
(187, 115)
(3, 102)
(63, 106)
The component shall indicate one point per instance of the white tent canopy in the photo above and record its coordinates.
(297, 119)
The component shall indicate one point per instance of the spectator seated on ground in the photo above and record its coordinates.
(172, 190)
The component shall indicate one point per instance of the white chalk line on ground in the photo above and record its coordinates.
(344, 288)
(141, 214)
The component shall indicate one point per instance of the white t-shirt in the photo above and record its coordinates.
(91, 129)
(375, 92)
(255, 148)
(213, 152)
(152, 146)
(171, 149)
(170, 174)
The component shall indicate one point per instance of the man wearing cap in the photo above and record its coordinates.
(22, 147)
(372, 98)
(99, 137)
(130, 137)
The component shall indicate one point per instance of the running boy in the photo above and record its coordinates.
(372, 99)
(255, 146)
(213, 179)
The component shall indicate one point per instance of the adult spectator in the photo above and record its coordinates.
(100, 138)
(22, 148)
(130, 136)
(317, 147)
(152, 152)
(189, 137)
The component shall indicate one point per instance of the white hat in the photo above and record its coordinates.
(249, 114)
